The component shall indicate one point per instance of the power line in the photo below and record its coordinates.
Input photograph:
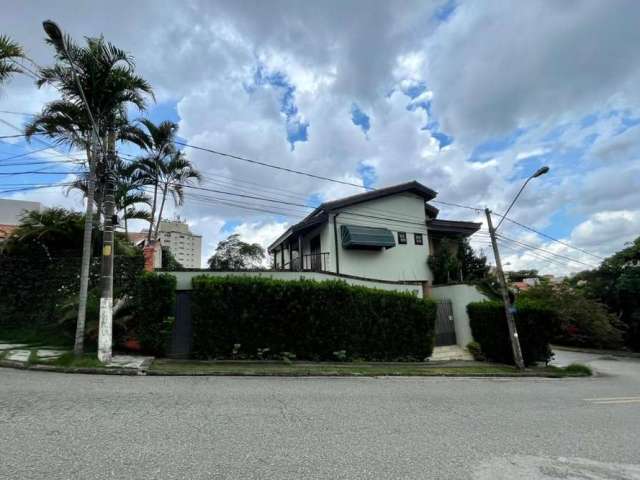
(544, 250)
(531, 229)
(271, 165)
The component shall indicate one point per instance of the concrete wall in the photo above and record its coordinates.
(12, 210)
(460, 296)
(184, 279)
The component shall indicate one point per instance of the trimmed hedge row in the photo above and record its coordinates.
(242, 316)
(537, 324)
(153, 310)
(33, 290)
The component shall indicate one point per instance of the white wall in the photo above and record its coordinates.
(460, 296)
(184, 279)
(404, 213)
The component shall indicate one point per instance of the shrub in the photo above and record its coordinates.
(583, 322)
(309, 319)
(579, 369)
(536, 323)
(153, 307)
(36, 291)
(476, 351)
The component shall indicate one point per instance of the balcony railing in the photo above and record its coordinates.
(312, 262)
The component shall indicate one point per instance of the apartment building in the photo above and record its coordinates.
(185, 246)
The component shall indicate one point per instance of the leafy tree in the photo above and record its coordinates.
(169, 262)
(234, 254)
(457, 261)
(583, 321)
(9, 52)
(50, 232)
(615, 283)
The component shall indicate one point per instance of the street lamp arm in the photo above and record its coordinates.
(537, 173)
(513, 202)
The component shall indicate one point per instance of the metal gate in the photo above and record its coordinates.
(445, 327)
(182, 330)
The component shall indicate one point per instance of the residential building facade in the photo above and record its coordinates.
(385, 234)
(185, 246)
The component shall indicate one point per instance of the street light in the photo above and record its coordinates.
(536, 174)
(508, 310)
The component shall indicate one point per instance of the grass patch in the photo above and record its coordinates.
(69, 360)
(190, 367)
(574, 370)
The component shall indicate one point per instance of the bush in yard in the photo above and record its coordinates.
(583, 322)
(311, 320)
(153, 306)
(537, 324)
(476, 351)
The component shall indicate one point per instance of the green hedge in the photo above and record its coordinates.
(311, 320)
(537, 324)
(34, 290)
(153, 310)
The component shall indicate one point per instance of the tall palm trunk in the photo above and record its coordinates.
(164, 197)
(78, 347)
(153, 208)
(105, 336)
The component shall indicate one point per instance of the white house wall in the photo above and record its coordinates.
(460, 296)
(398, 213)
(184, 279)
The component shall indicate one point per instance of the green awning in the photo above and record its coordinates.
(357, 237)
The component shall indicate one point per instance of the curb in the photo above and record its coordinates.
(595, 351)
(143, 371)
(85, 370)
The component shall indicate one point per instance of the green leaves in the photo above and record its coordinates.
(312, 320)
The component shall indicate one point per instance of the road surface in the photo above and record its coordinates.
(60, 426)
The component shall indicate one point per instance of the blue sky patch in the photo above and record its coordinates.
(368, 174)
(486, 150)
(359, 118)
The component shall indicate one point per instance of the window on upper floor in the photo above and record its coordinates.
(402, 238)
(417, 239)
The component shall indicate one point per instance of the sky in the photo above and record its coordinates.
(466, 97)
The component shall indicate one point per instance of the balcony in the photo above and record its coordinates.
(312, 262)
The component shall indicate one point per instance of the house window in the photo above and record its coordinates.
(417, 239)
(402, 238)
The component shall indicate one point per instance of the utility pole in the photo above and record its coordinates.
(105, 334)
(513, 331)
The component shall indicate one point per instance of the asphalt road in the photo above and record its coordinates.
(57, 426)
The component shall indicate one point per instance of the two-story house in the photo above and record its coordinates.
(384, 234)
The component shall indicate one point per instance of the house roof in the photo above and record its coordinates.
(6, 231)
(452, 228)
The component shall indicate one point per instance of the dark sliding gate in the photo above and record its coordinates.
(445, 327)
(182, 330)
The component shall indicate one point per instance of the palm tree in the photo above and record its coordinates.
(174, 174)
(52, 230)
(9, 53)
(108, 84)
(160, 149)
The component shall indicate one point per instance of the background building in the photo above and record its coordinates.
(10, 213)
(184, 245)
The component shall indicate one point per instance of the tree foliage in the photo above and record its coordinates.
(234, 254)
(456, 261)
(9, 52)
(583, 321)
(616, 284)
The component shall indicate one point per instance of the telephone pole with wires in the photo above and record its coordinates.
(508, 307)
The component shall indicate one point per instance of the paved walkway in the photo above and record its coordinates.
(25, 354)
